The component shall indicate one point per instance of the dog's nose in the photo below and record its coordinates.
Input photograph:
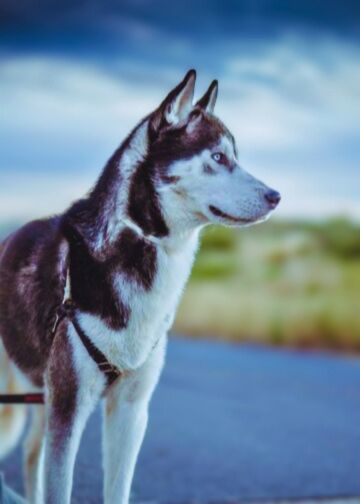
(273, 198)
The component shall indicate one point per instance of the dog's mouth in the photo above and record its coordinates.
(225, 216)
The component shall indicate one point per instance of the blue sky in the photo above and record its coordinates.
(76, 76)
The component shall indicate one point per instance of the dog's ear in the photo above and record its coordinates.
(178, 103)
(207, 102)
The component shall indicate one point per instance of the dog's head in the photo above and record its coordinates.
(195, 166)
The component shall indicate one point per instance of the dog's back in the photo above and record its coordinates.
(32, 276)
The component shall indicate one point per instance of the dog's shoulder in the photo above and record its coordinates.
(32, 278)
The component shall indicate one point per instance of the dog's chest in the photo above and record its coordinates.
(151, 310)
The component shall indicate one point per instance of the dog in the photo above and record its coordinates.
(87, 297)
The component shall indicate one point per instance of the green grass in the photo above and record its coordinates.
(283, 283)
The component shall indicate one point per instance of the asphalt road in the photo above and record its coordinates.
(238, 423)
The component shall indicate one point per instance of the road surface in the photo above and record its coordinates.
(239, 423)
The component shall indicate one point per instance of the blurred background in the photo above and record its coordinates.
(76, 76)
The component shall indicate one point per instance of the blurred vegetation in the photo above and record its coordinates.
(283, 283)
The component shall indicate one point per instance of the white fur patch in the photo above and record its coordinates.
(152, 311)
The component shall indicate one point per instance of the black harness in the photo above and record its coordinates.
(67, 311)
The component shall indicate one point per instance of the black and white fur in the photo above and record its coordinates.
(127, 250)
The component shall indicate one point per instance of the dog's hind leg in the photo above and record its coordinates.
(33, 456)
(125, 420)
(74, 387)
(12, 417)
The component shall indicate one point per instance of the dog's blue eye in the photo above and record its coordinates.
(218, 157)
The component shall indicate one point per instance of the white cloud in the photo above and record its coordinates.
(285, 101)
(294, 95)
(47, 96)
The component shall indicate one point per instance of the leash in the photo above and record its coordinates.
(22, 398)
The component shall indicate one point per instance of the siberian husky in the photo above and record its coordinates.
(87, 297)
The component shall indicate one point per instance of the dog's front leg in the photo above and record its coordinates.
(74, 386)
(125, 420)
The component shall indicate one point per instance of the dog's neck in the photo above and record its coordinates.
(125, 197)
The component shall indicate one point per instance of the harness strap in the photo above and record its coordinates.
(68, 310)
(111, 372)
